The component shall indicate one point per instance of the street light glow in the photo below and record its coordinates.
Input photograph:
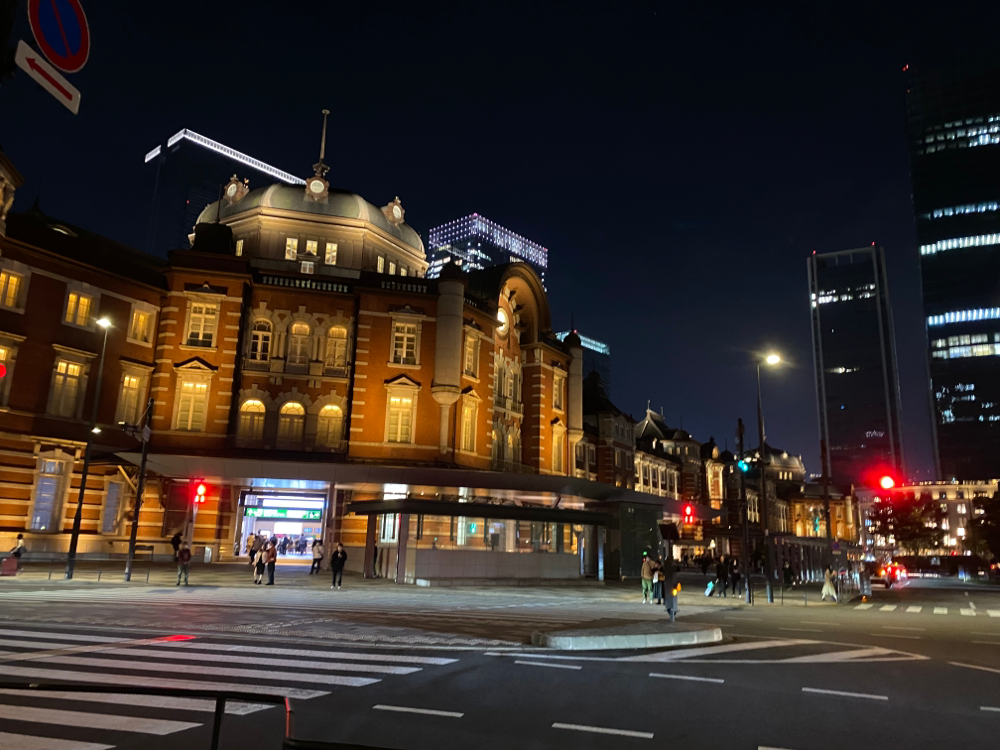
(772, 359)
(104, 322)
(887, 482)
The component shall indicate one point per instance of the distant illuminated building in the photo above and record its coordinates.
(854, 357)
(190, 170)
(596, 357)
(474, 242)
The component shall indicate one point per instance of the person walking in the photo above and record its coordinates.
(828, 589)
(183, 564)
(271, 557)
(657, 594)
(337, 560)
(722, 573)
(317, 549)
(647, 578)
(788, 575)
(19, 549)
(175, 542)
(735, 575)
(258, 565)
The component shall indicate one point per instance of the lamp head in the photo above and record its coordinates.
(772, 359)
(104, 322)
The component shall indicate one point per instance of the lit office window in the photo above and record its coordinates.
(291, 248)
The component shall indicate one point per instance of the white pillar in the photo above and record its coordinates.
(446, 386)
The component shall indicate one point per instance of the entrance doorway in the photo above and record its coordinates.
(293, 521)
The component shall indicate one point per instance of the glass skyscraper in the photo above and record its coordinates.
(596, 357)
(854, 357)
(954, 130)
(474, 242)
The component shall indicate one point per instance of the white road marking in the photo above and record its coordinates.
(971, 612)
(604, 730)
(709, 650)
(887, 608)
(815, 622)
(994, 612)
(159, 681)
(543, 664)
(940, 610)
(901, 627)
(838, 656)
(26, 742)
(989, 708)
(800, 630)
(686, 677)
(94, 721)
(845, 694)
(61, 636)
(864, 606)
(235, 708)
(428, 711)
(745, 619)
(974, 666)
(914, 610)
(896, 635)
(987, 643)
(355, 656)
(264, 662)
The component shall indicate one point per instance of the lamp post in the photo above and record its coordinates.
(93, 430)
(770, 359)
(140, 488)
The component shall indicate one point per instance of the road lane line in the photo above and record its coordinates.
(686, 677)
(354, 656)
(896, 635)
(900, 627)
(940, 610)
(26, 742)
(745, 619)
(974, 666)
(815, 622)
(970, 612)
(914, 610)
(94, 721)
(543, 664)
(427, 711)
(800, 630)
(864, 606)
(604, 730)
(820, 691)
(989, 708)
(264, 662)
(709, 650)
(887, 608)
(987, 643)
(837, 656)
(235, 708)
(992, 635)
(994, 612)
(60, 636)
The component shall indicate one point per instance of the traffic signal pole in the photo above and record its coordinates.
(745, 511)
(140, 488)
(768, 562)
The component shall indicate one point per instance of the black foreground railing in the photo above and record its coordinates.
(221, 697)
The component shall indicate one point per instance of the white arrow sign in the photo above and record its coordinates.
(48, 78)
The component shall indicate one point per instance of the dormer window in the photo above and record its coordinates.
(291, 248)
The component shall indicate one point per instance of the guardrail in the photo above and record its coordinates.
(221, 697)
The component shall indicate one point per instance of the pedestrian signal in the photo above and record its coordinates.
(199, 492)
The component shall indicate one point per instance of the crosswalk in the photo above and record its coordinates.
(917, 609)
(68, 720)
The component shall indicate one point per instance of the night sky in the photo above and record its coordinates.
(679, 164)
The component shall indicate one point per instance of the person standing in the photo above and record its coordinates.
(788, 576)
(722, 573)
(271, 557)
(657, 594)
(183, 564)
(736, 576)
(317, 549)
(337, 560)
(647, 578)
(175, 542)
(828, 589)
(258, 563)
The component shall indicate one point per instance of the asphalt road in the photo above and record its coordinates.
(794, 677)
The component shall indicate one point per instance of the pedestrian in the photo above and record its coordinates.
(19, 549)
(258, 565)
(736, 576)
(183, 564)
(704, 565)
(657, 594)
(317, 556)
(271, 556)
(828, 589)
(646, 574)
(337, 560)
(788, 575)
(175, 542)
(722, 573)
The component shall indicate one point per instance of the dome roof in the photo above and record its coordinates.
(340, 203)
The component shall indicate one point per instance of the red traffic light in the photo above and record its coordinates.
(199, 491)
(3, 370)
(887, 482)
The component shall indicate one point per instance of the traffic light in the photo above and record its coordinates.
(887, 482)
(199, 491)
(743, 465)
(688, 513)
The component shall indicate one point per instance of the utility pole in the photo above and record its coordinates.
(745, 510)
(140, 487)
(825, 481)
(768, 562)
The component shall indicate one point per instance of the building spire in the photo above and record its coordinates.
(319, 167)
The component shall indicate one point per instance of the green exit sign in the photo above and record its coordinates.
(293, 513)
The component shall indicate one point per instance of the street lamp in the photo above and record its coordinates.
(104, 323)
(771, 359)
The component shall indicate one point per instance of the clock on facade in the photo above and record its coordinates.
(316, 186)
(503, 321)
(397, 212)
(231, 190)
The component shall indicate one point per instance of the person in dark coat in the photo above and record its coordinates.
(735, 575)
(722, 573)
(271, 557)
(183, 564)
(337, 561)
(788, 576)
(175, 542)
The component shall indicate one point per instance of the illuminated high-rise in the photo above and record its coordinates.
(474, 242)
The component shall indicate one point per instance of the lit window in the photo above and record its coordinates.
(192, 403)
(128, 399)
(46, 511)
(260, 341)
(469, 366)
(404, 344)
(400, 419)
(331, 253)
(389, 533)
(402, 270)
(111, 515)
(201, 324)
(140, 329)
(392, 268)
(312, 247)
(10, 289)
(298, 344)
(469, 427)
(336, 347)
(558, 448)
(78, 308)
(308, 267)
(380, 264)
(558, 385)
(239, 247)
(291, 248)
(66, 389)
(252, 414)
(291, 422)
(330, 426)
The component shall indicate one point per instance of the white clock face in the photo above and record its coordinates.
(503, 321)
(231, 190)
(397, 212)
(316, 186)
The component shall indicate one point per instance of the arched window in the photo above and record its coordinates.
(330, 427)
(336, 347)
(260, 341)
(291, 422)
(298, 344)
(251, 425)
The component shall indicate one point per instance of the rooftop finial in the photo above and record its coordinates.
(320, 168)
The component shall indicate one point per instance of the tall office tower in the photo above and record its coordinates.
(596, 357)
(190, 171)
(854, 357)
(954, 127)
(475, 242)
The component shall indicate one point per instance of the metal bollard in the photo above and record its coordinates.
(50, 575)
(147, 575)
(805, 600)
(99, 575)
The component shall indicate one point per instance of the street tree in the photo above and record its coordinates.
(984, 527)
(913, 522)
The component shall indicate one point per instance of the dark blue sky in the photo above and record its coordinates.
(679, 164)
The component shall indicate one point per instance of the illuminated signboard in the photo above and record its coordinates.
(305, 515)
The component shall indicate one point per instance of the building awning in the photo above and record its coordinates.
(535, 513)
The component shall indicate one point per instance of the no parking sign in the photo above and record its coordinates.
(61, 31)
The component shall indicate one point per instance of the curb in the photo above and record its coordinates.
(685, 635)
